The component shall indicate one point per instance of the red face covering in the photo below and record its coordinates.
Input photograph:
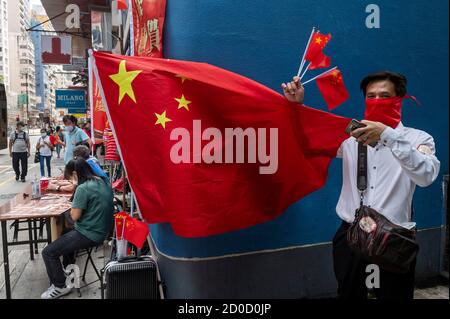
(387, 111)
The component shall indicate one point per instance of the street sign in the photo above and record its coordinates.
(56, 49)
(22, 99)
(70, 99)
(77, 111)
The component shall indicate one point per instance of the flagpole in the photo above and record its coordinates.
(303, 74)
(304, 53)
(131, 19)
(321, 74)
(91, 103)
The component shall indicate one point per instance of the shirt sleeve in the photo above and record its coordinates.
(340, 151)
(83, 136)
(80, 200)
(418, 160)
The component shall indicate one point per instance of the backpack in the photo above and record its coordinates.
(21, 138)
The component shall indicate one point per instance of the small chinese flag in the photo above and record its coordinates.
(331, 86)
(135, 231)
(322, 61)
(122, 5)
(120, 222)
(316, 45)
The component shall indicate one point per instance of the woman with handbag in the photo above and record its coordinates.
(45, 148)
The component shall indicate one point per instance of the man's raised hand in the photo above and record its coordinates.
(294, 91)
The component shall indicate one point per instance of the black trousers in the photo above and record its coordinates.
(351, 275)
(21, 157)
(65, 246)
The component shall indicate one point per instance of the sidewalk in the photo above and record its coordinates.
(29, 278)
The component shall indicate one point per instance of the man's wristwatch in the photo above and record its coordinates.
(59, 187)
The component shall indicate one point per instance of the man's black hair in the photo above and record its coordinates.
(71, 118)
(81, 151)
(399, 81)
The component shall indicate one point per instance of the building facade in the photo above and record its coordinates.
(21, 63)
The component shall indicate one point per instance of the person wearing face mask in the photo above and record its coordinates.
(19, 150)
(45, 149)
(73, 137)
(402, 158)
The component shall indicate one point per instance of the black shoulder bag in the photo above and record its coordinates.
(37, 155)
(376, 239)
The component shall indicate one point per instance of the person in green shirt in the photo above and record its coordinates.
(92, 212)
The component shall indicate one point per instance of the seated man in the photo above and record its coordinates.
(92, 211)
(83, 152)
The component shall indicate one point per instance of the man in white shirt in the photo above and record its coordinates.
(402, 158)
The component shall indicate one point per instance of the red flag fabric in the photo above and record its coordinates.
(122, 5)
(148, 24)
(322, 61)
(316, 45)
(131, 229)
(135, 231)
(120, 223)
(331, 86)
(171, 117)
(99, 119)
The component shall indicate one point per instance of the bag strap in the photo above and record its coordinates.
(361, 179)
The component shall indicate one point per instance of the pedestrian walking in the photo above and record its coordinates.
(19, 150)
(45, 149)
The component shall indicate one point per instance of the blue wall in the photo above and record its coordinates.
(264, 40)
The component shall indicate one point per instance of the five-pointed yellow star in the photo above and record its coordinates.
(123, 79)
(182, 102)
(183, 78)
(162, 119)
(318, 40)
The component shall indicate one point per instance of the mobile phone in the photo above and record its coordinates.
(353, 125)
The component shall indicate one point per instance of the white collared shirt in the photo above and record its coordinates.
(402, 159)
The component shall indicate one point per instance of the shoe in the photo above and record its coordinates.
(23, 180)
(55, 292)
(17, 177)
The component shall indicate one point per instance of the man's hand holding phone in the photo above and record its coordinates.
(367, 132)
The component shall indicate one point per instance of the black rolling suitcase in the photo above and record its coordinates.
(131, 278)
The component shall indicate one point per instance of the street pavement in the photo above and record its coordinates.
(29, 278)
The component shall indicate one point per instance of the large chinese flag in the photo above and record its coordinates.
(331, 85)
(147, 99)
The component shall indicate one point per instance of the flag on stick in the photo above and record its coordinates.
(171, 118)
(331, 86)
